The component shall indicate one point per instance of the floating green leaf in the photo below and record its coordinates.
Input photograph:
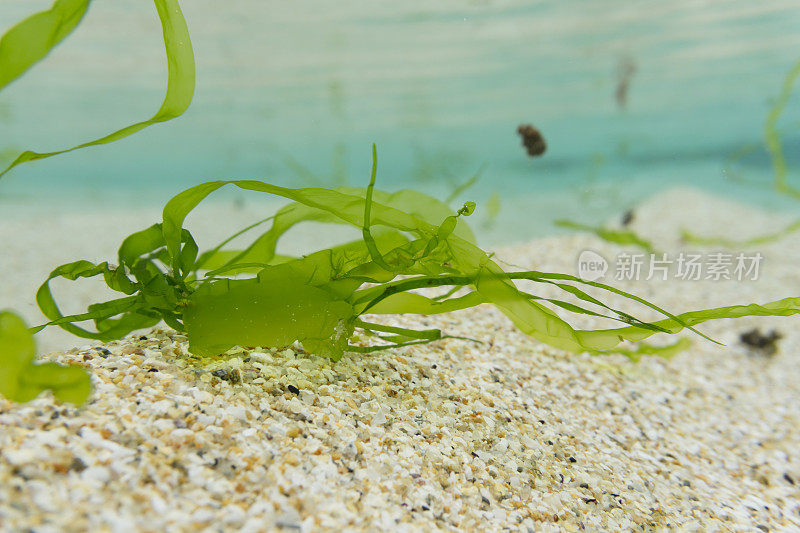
(21, 379)
(31, 40)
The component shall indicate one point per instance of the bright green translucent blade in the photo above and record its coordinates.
(180, 62)
(21, 379)
(617, 236)
(29, 41)
(269, 312)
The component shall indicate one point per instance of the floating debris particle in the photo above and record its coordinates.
(626, 68)
(532, 140)
(763, 344)
(628, 217)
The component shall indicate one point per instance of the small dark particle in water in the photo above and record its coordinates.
(293, 389)
(573, 460)
(626, 68)
(532, 140)
(590, 500)
(788, 479)
(627, 218)
(152, 370)
(764, 344)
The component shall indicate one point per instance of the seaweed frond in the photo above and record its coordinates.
(32, 39)
(410, 241)
(22, 379)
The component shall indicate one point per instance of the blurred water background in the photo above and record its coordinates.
(295, 93)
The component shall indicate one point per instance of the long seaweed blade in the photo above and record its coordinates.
(616, 236)
(180, 83)
(30, 40)
(692, 238)
(21, 379)
(464, 187)
(369, 240)
(772, 138)
(635, 354)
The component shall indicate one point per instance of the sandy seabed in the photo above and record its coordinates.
(454, 435)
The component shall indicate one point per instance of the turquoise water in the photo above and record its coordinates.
(296, 92)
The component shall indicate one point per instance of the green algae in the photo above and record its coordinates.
(33, 38)
(772, 138)
(409, 241)
(622, 237)
(22, 379)
(691, 238)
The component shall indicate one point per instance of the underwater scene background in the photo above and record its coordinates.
(631, 97)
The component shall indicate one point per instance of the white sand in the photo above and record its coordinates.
(452, 436)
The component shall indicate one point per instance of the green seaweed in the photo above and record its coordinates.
(692, 238)
(22, 380)
(772, 137)
(642, 349)
(772, 140)
(32, 39)
(729, 169)
(306, 176)
(463, 187)
(623, 237)
(7, 154)
(411, 244)
(493, 209)
(587, 189)
(410, 241)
